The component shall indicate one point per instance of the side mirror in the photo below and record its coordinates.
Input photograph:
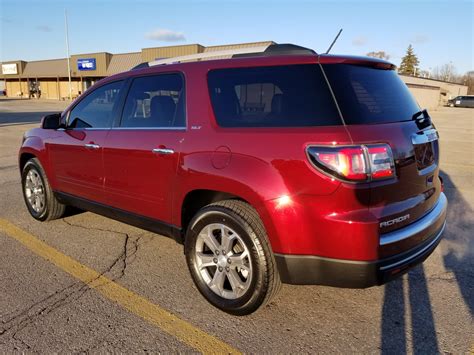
(51, 121)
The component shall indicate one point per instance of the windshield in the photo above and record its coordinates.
(368, 95)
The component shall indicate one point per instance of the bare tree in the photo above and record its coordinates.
(468, 80)
(379, 54)
(424, 73)
(445, 72)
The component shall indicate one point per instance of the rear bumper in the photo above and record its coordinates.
(315, 270)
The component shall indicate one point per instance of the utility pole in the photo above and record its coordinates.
(67, 53)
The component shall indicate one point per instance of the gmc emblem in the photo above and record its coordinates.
(391, 222)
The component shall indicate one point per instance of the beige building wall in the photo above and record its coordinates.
(49, 89)
(446, 90)
(237, 46)
(13, 88)
(64, 89)
(427, 97)
(24, 88)
(151, 54)
(450, 91)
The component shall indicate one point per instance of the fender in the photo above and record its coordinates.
(33, 144)
(197, 173)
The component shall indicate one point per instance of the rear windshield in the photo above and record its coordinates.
(367, 95)
(279, 96)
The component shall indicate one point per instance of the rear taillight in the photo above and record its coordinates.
(354, 163)
(381, 161)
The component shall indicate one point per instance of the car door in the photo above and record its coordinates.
(141, 153)
(469, 101)
(76, 151)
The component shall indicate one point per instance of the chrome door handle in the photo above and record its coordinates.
(163, 151)
(92, 146)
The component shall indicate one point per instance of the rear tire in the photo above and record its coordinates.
(244, 277)
(37, 193)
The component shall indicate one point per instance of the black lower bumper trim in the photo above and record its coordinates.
(315, 270)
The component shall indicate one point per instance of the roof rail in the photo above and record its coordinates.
(281, 49)
(266, 50)
(141, 65)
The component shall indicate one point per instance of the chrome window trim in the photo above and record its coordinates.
(418, 226)
(418, 253)
(125, 129)
(148, 128)
(88, 129)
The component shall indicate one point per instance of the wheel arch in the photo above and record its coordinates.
(196, 199)
(33, 147)
(23, 159)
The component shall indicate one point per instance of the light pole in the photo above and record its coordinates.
(67, 53)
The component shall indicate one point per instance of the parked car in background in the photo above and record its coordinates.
(272, 166)
(461, 101)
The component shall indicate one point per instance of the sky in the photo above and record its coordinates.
(441, 32)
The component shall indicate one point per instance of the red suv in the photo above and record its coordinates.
(270, 166)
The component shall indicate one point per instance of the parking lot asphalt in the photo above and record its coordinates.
(85, 283)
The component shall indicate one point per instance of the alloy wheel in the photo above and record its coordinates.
(34, 191)
(223, 260)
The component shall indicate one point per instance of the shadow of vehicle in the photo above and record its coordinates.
(394, 313)
(458, 249)
(393, 319)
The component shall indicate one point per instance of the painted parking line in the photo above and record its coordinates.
(166, 321)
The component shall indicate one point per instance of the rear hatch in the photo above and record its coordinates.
(377, 107)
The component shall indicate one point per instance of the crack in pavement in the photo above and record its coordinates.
(12, 323)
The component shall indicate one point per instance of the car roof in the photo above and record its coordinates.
(276, 54)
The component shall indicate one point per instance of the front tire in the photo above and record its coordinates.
(230, 259)
(39, 198)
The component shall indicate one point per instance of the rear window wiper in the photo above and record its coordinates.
(423, 121)
(422, 112)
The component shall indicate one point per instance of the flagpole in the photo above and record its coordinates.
(67, 53)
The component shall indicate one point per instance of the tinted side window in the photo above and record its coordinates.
(280, 96)
(95, 110)
(155, 101)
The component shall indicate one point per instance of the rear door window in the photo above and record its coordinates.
(369, 95)
(279, 96)
(155, 101)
